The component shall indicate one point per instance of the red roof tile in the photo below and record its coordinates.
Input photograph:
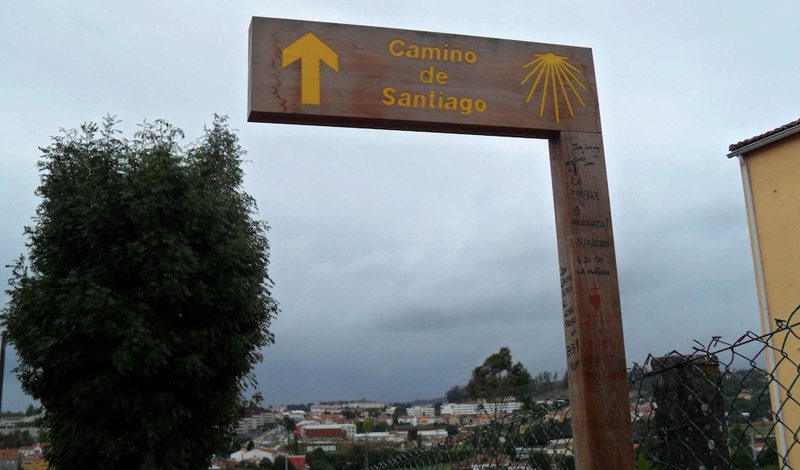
(752, 140)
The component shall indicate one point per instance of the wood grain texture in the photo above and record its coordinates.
(598, 378)
(378, 65)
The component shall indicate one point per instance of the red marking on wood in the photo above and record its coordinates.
(594, 299)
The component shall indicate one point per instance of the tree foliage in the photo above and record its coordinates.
(381, 427)
(457, 394)
(398, 412)
(452, 430)
(368, 424)
(351, 457)
(548, 384)
(145, 298)
(16, 439)
(291, 427)
(499, 378)
(280, 463)
(289, 424)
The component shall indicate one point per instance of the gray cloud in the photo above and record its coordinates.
(402, 260)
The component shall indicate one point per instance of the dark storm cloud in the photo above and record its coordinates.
(402, 260)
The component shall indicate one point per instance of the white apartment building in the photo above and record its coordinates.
(460, 409)
(252, 422)
(365, 405)
(422, 410)
(382, 436)
(467, 409)
(502, 407)
(433, 435)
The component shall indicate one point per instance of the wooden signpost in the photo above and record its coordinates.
(352, 76)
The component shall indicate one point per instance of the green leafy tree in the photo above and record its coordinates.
(319, 463)
(145, 298)
(30, 411)
(452, 430)
(381, 427)
(291, 427)
(282, 463)
(235, 446)
(498, 378)
(539, 461)
(368, 425)
(457, 394)
(642, 463)
(742, 459)
(768, 456)
(15, 439)
(398, 412)
(266, 464)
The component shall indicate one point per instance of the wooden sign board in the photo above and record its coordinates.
(330, 74)
(351, 76)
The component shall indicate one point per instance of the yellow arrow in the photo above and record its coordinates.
(311, 51)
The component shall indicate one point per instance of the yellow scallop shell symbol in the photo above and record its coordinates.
(559, 75)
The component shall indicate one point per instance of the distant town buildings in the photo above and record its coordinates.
(9, 459)
(345, 431)
(25, 458)
(252, 422)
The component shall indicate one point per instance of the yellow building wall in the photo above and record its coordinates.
(39, 463)
(775, 182)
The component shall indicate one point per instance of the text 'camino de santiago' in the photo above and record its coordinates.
(436, 74)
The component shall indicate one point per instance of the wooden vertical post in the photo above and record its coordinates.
(598, 378)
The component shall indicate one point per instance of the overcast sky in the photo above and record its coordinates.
(401, 260)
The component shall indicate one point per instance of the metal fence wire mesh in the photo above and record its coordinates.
(722, 406)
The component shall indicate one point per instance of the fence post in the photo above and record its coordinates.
(690, 413)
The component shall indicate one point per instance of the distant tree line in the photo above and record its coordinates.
(30, 411)
(351, 459)
(266, 464)
(300, 407)
(544, 383)
(16, 439)
(549, 383)
(746, 391)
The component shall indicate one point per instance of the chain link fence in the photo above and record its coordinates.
(722, 406)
